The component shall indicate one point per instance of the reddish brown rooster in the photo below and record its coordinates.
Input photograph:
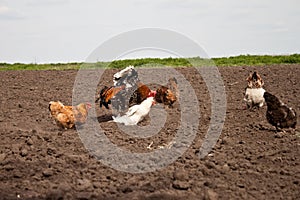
(167, 94)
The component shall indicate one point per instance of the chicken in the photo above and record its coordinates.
(278, 114)
(166, 95)
(67, 116)
(254, 91)
(136, 113)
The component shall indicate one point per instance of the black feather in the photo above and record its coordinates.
(278, 114)
(254, 76)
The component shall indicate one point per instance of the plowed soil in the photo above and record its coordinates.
(250, 160)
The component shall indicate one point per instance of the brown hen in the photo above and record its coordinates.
(67, 116)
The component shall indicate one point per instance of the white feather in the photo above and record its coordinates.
(123, 120)
(136, 113)
(254, 97)
(121, 73)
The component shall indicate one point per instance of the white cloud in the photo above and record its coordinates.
(7, 13)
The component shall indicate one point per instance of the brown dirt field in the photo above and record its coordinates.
(250, 160)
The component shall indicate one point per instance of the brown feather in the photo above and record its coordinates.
(254, 80)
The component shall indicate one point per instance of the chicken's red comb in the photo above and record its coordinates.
(152, 93)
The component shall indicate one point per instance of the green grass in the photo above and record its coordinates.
(242, 60)
(254, 60)
(56, 66)
(174, 62)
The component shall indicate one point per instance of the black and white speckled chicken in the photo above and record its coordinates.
(278, 114)
(127, 91)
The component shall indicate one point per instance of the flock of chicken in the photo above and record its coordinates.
(133, 100)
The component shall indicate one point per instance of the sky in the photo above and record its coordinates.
(51, 31)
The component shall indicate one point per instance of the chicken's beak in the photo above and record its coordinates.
(49, 107)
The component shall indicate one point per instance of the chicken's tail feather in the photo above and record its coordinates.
(107, 93)
(104, 100)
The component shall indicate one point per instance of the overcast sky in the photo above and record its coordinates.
(45, 31)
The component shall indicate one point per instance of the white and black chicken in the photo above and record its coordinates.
(254, 94)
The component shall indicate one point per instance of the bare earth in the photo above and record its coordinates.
(250, 160)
